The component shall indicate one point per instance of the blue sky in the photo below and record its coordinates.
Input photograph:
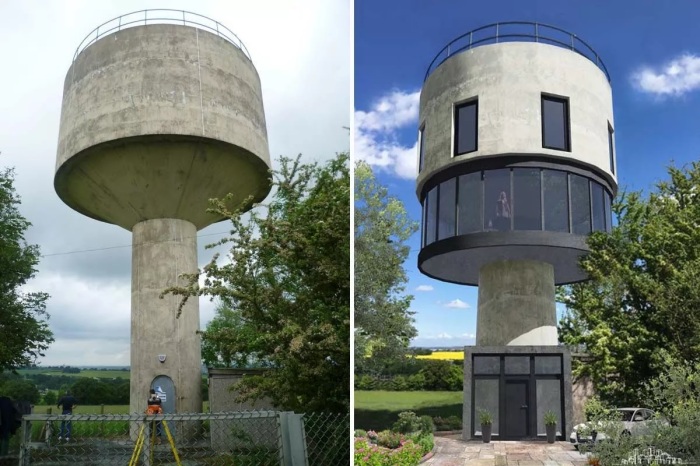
(651, 50)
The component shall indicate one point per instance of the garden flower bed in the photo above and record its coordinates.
(409, 440)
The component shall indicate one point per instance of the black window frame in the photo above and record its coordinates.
(421, 148)
(455, 139)
(567, 120)
(611, 147)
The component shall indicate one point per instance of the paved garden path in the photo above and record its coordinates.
(452, 451)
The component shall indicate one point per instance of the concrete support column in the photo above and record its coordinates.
(516, 304)
(163, 249)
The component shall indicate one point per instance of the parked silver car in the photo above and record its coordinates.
(635, 421)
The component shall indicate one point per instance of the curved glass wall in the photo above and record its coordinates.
(521, 199)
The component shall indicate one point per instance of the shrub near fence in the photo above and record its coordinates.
(438, 375)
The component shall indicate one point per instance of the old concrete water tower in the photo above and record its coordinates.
(162, 110)
(517, 167)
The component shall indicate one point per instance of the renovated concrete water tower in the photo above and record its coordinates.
(162, 110)
(516, 168)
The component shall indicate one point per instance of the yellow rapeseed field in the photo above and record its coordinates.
(449, 355)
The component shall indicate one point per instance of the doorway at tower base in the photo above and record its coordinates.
(517, 385)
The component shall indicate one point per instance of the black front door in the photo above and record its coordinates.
(516, 409)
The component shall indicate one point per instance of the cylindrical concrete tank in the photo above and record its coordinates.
(516, 159)
(156, 120)
(516, 168)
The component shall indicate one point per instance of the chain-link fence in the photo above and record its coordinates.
(259, 438)
(327, 438)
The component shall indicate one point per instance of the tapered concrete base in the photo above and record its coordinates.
(161, 344)
(516, 304)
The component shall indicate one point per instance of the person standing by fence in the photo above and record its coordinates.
(66, 403)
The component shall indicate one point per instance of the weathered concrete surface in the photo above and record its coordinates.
(509, 79)
(516, 304)
(450, 451)
(155, 121)
(163, 249)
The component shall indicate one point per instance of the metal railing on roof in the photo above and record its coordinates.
(507, 32)
(161, 16)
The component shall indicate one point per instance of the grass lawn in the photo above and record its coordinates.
(87, 409)
(378, 410)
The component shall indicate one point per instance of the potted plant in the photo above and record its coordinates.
(486, 421)
(550, 424)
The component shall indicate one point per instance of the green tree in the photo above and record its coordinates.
(216, 351)
(643, 295)
(289, 279)
(20, 389)
(24, 333)
(383, 322)
(89, 391)
(50, 398)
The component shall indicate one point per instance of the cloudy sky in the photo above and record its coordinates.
(301, 51)
(651, 51)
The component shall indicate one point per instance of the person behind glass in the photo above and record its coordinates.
(502, 222)
(155, 407)
(66, 403)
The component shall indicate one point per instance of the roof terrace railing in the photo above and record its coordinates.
(510, 32)
(160, 16)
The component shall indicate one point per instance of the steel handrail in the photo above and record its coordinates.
(216, 27)
(574, 44)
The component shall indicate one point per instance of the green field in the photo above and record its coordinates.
(377, 410)
(85, 373)
(88, 409)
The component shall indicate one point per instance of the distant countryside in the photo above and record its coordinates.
(98, 389)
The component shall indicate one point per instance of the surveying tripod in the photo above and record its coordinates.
(141, 439)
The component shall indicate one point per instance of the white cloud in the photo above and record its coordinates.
(376, 140)
(424, 288)
(468, 335)
(457, 304)
(675, 78)
(444, 336)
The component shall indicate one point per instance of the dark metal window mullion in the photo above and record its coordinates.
(542, 219)
(512, 199)
(568, 196)
(455, 231)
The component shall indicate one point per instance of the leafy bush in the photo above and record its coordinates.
(365, 382)
(426, 442)
(399, 383)
(360, 433)
(366, 454)
(426, 425)
(442, 375)
(408, 422)
(416, 382)
(449, 423)
(389, 439)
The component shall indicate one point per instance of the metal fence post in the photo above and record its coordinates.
(293, 439)
(26, 433)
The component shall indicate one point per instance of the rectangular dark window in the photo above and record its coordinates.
(598, 204)
(470, 203)
(555, 123)
(580, 205)
(610, 148)
(431, 217)
(466, 125)
(420, 148)
(556, 201)
(497, 200)
(447, 208)
(527, 199)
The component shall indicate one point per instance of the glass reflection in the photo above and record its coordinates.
(497, 205)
